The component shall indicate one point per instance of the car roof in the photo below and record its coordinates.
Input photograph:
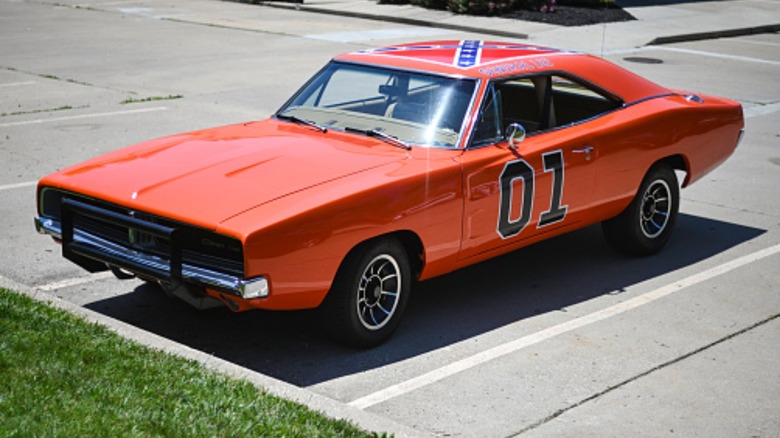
(492, 59)
(460, 57)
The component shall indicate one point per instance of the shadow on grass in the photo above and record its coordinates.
(544, 278)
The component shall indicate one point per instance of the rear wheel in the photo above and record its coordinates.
(645, 226)
(369, 294)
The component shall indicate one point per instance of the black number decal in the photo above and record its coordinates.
(553, 162)
(521, 170)
(515, 170)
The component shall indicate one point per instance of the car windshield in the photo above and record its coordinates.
(415, 108)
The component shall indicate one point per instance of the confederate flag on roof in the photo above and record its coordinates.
(463, 54)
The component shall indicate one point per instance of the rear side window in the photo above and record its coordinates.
(575, 102)
(538, 103)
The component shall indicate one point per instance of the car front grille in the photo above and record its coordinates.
(88, 225)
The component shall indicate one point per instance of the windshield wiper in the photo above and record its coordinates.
(395, 141)
(300, 121)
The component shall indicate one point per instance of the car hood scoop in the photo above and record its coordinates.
(209, 176)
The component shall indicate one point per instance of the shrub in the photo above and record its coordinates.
(431, 4)
(492, 7)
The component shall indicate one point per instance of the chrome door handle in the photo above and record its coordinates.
(587, 150)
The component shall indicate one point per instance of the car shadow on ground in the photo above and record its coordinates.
(543, 278)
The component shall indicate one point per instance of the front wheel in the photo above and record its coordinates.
(645, 226)
(369, 294)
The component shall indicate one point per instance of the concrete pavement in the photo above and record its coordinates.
(164, 74)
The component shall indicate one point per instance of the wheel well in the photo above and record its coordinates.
(414, 247)
(676, 162)
(411, 243)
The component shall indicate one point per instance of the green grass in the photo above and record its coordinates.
(151, 99)
(63, 376)
(46, 110)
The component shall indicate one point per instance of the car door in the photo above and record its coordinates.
(516, 194)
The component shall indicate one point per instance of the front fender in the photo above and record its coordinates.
(298, 242)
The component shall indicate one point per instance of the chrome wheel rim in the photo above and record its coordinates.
(379, 292)
(656, 209)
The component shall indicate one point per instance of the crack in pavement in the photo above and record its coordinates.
(664, 365)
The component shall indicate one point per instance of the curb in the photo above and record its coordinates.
(383, 18)
(672, 39)
(726, 33)
(329, 407)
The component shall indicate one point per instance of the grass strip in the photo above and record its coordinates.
(63, 376)
(150, 99)
(46, 110)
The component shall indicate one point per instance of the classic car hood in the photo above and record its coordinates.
(208, 176)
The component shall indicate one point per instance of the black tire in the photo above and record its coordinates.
(369, 294)
(646, 225)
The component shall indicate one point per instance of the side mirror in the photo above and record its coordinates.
(515, 133)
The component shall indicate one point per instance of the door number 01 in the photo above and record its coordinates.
(521, 170)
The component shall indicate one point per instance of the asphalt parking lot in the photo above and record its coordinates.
(562, 338)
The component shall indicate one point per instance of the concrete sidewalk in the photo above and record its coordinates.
(657, 22)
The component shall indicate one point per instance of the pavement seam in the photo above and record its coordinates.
(51, 77)
(225, 26)
(662, 366)
(513, 346)
(84, 116)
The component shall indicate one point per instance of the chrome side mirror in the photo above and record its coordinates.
(515, 133)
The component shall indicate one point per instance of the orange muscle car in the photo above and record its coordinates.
(392, 165)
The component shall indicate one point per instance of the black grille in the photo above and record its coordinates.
(126, 236)
(171, 241)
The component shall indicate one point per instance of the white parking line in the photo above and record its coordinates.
(715, 55)
(618, 52)
(18, 185)
(75, 281)
(761, 110)
(566, 327)
(84, 116)
(16, 84)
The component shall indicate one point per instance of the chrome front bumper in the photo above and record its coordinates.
(98, 249)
